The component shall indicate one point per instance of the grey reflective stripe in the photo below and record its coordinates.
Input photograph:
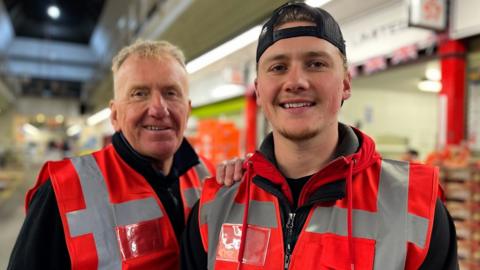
(100, 217)
(202, 170)
(191, 196)
(334, 220)
(392, 211)
(417, 230)
(133, 211)
(388, 226)
(260, 213)
(219, 209)
(223, 209)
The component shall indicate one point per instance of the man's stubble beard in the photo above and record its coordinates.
(307, 134)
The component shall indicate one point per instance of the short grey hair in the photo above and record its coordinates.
(148, 48)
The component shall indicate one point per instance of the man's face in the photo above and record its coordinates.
(151, 106)
(300, 84)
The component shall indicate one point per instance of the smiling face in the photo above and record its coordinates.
(301, 82)
(151, 106)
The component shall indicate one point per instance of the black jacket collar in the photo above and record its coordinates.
(348, 144)
(184, 159)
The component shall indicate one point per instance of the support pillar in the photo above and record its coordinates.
(251, 120)
(452, 95)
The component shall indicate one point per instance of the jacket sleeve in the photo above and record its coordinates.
(442, 253)
(192, 254)
(41, 242)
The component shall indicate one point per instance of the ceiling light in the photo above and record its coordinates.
(53, 11)
(59, 118)
(225, 91)
(430, 86)
(40, 118)
(30, 129)
(433, 74)
(99, 117)
(225, 49)
(316, 3)
(121, 23)
(74, 130)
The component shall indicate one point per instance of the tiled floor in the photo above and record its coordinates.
(12, 211)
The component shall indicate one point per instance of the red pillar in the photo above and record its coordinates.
(452, 55)
(251, 120)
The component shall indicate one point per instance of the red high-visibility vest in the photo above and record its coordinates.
(393, 209)
(112, 217)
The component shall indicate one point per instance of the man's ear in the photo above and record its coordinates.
(257, 94)
(347, 86)
(114, 115)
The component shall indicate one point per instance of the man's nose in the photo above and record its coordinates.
(296, 79)
(158, 106)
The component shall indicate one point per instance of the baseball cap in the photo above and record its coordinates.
(326, 28)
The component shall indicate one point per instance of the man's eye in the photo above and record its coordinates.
(171, 92)
(139, 93)
(315, 64)
(278, 68)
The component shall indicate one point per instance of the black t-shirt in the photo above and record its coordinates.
(296, 186)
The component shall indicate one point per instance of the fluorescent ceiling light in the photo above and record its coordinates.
(59, 118)
(225, 91)
(30, 129)
(74, 130)
(316, 3)
(433, 74)
(99, 117)
(430, 86)
(53, 11)
(40, 118)
(225, 49)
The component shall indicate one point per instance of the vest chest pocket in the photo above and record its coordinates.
(331, 252)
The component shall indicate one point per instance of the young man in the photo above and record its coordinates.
(125, 206)
(317, 195)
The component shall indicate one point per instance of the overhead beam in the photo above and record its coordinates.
(48, 50)
(6, 29)
(45, 59)
(49, 70)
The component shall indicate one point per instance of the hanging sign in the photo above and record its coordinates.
(428, 14)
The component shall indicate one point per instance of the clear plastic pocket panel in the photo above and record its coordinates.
(139, 239)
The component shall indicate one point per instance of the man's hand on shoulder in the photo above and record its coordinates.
(230, 171)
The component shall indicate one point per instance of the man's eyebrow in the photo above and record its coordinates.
(317, 54)
(276, 57)
(138, 86)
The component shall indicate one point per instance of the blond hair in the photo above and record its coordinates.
(147, 48)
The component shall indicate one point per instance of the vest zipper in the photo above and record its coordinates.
(289, 226)
(295, 221)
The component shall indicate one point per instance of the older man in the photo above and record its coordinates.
(125, 206)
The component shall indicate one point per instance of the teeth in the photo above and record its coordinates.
(153, 128)
(297, 105)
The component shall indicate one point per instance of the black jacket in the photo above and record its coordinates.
(442, 253)
(41, 242)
